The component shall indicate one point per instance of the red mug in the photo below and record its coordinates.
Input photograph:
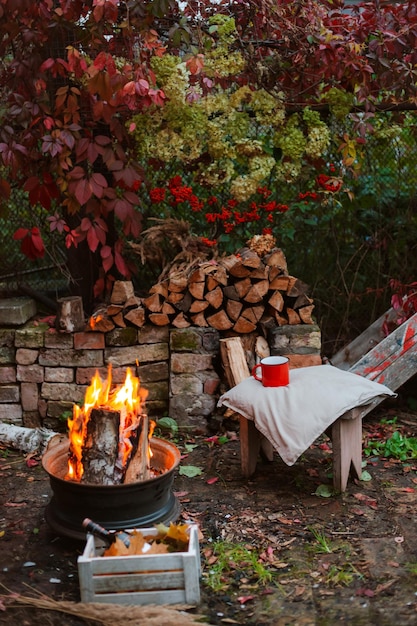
(275, 371)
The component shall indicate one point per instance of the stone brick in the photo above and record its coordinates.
(59, 375)
(89, 341)
(30, 395)
(190, 411)
(211, 385)
(186, 340)
(306, 344)
(7, 356)
(30, 336)
(281, 343)
(157, 391)
(84, 375)
(26, 356)
(52, 423)
(16, 311)
(7, 375)
(153, 372)
(71, 358)
(30, 373)
(31, 419)
(54, 339)
(6, 338)
(122, 337)
(293, 337)
(189, 363)
(9, 394)
(11, 413)
(42, 407)
(211, 340)
(153, 334)
(58, 409)
(303, 360)
(186, 384)
(157, 408)
(141, 354)
(63, 391)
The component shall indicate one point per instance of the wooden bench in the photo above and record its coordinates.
(390, 361)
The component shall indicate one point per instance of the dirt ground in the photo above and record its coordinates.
(349, 558)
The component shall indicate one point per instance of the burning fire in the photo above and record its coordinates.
(128, 399)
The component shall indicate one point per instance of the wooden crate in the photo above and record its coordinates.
(172, 578)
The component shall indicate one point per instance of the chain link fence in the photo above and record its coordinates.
(17, 271)
(347, 254)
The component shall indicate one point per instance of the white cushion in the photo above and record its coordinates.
(292, 417)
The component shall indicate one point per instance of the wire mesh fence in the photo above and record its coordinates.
(348, 254)
(16, 269)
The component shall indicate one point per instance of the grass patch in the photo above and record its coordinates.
(231, 564)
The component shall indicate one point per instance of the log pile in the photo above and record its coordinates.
(239, 293)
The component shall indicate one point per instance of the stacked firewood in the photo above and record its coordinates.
(235, 293)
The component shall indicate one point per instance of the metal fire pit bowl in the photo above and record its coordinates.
(116, 507)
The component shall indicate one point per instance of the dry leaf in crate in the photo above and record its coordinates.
(174, 538)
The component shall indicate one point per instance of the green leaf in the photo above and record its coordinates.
(189, 447)
(365, 476)
(324, 491)
(167, 423)
(190, 471)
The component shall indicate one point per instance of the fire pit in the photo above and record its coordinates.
(110, 468)
(120, 506)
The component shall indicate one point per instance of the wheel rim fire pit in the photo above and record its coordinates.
(110, 468)
(120, 506)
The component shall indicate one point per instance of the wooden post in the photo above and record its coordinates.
(70, 315)
(251, 440)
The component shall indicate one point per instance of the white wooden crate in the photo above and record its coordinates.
(172, 578)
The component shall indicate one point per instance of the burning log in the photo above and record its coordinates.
(139, 468)
(110, 432)
(101, 447)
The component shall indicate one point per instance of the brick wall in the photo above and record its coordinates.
(43, 372)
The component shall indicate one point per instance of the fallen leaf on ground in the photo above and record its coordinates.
(367, 501)
(244, 599)
(384, 586)
(190, 471)
(357, 511)
(368, 593)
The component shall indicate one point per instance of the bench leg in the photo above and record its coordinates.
(347, 450)
(250, 442)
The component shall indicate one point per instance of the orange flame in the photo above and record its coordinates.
(94, 320)
(128, 399)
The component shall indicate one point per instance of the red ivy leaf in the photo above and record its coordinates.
(83, 191)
